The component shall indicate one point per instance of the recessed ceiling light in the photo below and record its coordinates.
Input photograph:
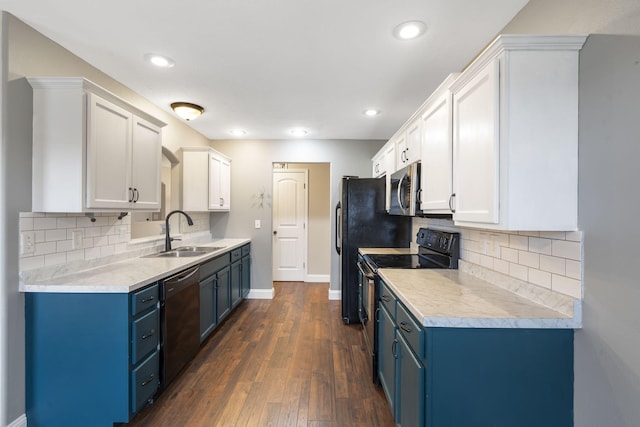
(299, 132)
(371, 112)
(238, 132)
(160, 60)
(409, 30)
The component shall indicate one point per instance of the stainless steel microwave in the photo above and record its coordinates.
(404, 191)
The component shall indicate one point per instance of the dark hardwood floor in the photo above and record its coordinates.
(289, 361)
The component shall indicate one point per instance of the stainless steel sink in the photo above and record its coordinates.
(204, 249)
(176, 254)
(185, 251)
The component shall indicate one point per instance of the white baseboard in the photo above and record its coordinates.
(317, 278)
(335, 295)
(21, 421)
(261, 294)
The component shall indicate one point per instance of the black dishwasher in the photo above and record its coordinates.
(180, 319)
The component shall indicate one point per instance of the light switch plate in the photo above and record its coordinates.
(258, 224)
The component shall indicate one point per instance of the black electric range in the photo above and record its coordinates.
(436, 249)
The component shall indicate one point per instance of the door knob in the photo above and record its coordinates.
(275, 232)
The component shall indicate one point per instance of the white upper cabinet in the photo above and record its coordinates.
(515, 135)
(92, 151)
(206, 180)
(437, 150)
(219, 182)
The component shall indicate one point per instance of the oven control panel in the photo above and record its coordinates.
(440, 241)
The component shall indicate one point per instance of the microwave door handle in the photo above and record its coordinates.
(398, 195)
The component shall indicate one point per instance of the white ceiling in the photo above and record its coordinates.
(269, 65)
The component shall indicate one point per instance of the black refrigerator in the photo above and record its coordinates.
(362, 222)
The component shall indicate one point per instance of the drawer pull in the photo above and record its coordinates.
(149, 335)
(393, 348)
(385, 298)
(147, 381)
(405, 327)
(144, 300)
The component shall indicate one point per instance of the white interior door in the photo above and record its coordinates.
(289, 225)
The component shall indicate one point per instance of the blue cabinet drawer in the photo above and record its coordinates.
(211, 266)
(144, 382)
(410, 330)
(144, 335)
(388, 299)
(246, 250)
(144, 299)
(236, 254)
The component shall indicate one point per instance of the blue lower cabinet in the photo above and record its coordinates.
(386, 356)
(144, 381)
(92, 359)
(411, 378)
(451, 377)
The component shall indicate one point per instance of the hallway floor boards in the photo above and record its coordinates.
(289, 361)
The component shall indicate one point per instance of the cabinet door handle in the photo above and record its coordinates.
(385, 298)
(394, 347)
(405, 327)
(221, 201)
(136, 195)
(148, 380)
(215, 283)
(451, 208)
(130, 194)
(144, 300)
(149, 334)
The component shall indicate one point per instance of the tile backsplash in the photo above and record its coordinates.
(552, 260)
(65, 238)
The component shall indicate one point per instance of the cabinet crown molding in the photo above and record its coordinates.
(519, 42)
(81, 83)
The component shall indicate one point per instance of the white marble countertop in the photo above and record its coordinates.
(129, 275)
(385, 251)
(452, 298)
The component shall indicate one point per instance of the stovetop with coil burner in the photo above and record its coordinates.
(437, 249)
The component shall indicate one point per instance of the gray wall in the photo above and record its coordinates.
(251, 169)
(607, 349)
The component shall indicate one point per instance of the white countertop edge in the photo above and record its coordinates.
(501, 323)
(73, 283)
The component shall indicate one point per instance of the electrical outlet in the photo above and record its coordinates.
(76, 239)
(258, 224)
(27, 242)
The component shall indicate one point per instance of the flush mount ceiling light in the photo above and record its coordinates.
(409, 30)
(187, 110)
(238, 132)
(160, 60)
(371, 112)
(299, 132)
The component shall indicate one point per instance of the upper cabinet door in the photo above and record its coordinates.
(437, 156)
(146, 164)
(413, 150)
(219, 183)
(108, 154)
(476, 147)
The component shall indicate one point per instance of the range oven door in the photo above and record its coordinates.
(367, 308)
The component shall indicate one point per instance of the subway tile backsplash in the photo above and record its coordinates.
(65, 238)
(551, 260)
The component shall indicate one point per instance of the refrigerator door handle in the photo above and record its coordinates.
(338, 227)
